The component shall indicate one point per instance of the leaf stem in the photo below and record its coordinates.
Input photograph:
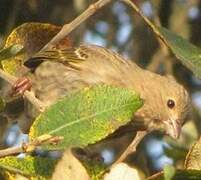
(30, 147)
(148, 22)
(132, 146)
(28, 94)
(67, 28)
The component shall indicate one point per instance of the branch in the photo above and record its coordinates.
(150, 24)
(67, 28)
(28, 94)
(30, 147)
(137, 10)
(132, 146)
(10, 151)
(155, 176)
(162, 42)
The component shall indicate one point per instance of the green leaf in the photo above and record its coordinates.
(28, 166)
(189, 54)
(179, 175)
(7, 54)
(10, 51)
(2, 104)
(32, 37)
(169, 172)
(193, 158)
(87, 116)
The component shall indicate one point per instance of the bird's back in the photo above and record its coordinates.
(71, 69)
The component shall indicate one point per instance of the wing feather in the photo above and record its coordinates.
(72, 56)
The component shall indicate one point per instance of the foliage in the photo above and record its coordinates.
(30, 37)
(189, 54)
(193, 160)
(87, 116)
(90, 115)
(29, 166)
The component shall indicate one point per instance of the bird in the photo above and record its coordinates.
(58, 72)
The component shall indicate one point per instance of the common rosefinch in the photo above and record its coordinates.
(58, 72)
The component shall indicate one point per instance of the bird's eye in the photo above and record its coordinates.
(171, 103)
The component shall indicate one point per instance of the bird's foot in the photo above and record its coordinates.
(21, 85)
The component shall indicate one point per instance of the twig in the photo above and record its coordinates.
(10, 151)
(150, 24)
(163, 44)
(30, 147)
(67, 28)
(28, 94)
(132, 146)
(137, 10)
(155, 176)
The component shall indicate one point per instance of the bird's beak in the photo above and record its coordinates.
(173, 128)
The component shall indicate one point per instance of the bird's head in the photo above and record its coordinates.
(166, 105)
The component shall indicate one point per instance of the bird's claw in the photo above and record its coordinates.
(21, 85)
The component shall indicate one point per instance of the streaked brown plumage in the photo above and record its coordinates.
(58, 72)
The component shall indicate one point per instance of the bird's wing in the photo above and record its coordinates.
(72, 69)
(75, 56)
